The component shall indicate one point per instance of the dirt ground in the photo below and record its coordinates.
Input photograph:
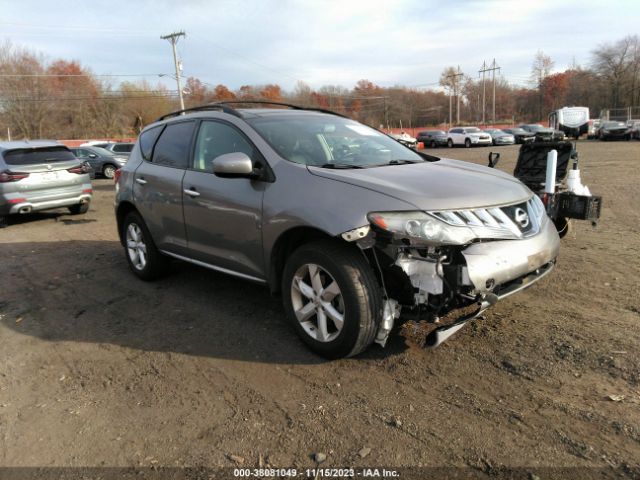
(98, 368)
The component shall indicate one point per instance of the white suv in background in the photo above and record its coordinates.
(467, 136)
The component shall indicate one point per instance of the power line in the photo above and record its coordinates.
(18, 75)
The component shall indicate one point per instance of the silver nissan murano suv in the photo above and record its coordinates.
(349, 226)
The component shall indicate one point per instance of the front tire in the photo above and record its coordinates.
(467, 143)
(143, 257)
(4, 221)
(432, 144)
(332, 298)
(450, 143)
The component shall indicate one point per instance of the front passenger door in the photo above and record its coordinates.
(223, 216)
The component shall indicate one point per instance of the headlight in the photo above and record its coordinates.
(421, 226)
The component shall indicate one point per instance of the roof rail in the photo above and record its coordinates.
(208, 106)
(282, 104)
(223, 107)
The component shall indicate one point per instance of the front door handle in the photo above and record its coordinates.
(141, 181)
(191, 193)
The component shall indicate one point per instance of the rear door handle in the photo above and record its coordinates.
(141, 181)
(191, 193)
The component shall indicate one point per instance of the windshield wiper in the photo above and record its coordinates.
(339, 165)
(403, 162)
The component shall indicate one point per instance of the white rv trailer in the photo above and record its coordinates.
(573, 121)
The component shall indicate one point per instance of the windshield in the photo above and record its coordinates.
(330, 141)
(535, 128)
(473, 130)
(613, 124)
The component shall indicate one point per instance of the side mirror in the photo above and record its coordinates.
(233, 165)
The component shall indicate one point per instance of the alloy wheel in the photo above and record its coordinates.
(136, 248)
(317, 302)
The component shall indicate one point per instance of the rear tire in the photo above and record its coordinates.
(332, 298)
(4, 221)
(450, 143)
(144, 259)
(432, 144)
(79, 209)
(109, 171)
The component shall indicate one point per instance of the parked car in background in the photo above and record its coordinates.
(467, 136)
(405, 139)
(613, 130)
(120, 148)
(41, 175)
(349, 237)
(500, 137)
(543, 133)
(520, 135)
(592, 130)
(101, 160)
(95, 143)
(432, 138)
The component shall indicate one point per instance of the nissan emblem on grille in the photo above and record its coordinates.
(521, 217)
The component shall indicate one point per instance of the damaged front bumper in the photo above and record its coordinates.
(443, 281)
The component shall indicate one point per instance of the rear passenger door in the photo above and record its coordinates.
(157, 184)
(223, 216)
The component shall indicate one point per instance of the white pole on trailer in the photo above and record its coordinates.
(552, 165)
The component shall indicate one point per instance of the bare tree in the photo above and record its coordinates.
(617, 63)
(540, 69)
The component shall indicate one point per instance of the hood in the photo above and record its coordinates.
(442, 185)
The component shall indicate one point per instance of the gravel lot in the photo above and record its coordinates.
(200, 369)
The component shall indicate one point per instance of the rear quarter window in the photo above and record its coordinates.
(148, 140)
(34, 156)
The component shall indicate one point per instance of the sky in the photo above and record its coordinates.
(319, 42)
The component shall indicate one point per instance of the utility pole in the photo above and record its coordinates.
(482, 71)
(456, 93)
(173, 39)
(386, 113)
(485, 68)
(450, 118)
(494, 67)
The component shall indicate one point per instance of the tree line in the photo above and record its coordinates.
(42, 98)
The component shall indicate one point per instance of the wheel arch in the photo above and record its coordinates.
(123, 209)
(287, 243)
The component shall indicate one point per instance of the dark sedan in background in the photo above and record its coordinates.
(520, 135)
(101, 160)
(433, 138)
(614, 131)
(543, 133)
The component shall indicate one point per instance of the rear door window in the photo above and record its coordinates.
(173, 146)
(31, 156)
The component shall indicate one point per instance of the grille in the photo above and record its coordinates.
(511, 221)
